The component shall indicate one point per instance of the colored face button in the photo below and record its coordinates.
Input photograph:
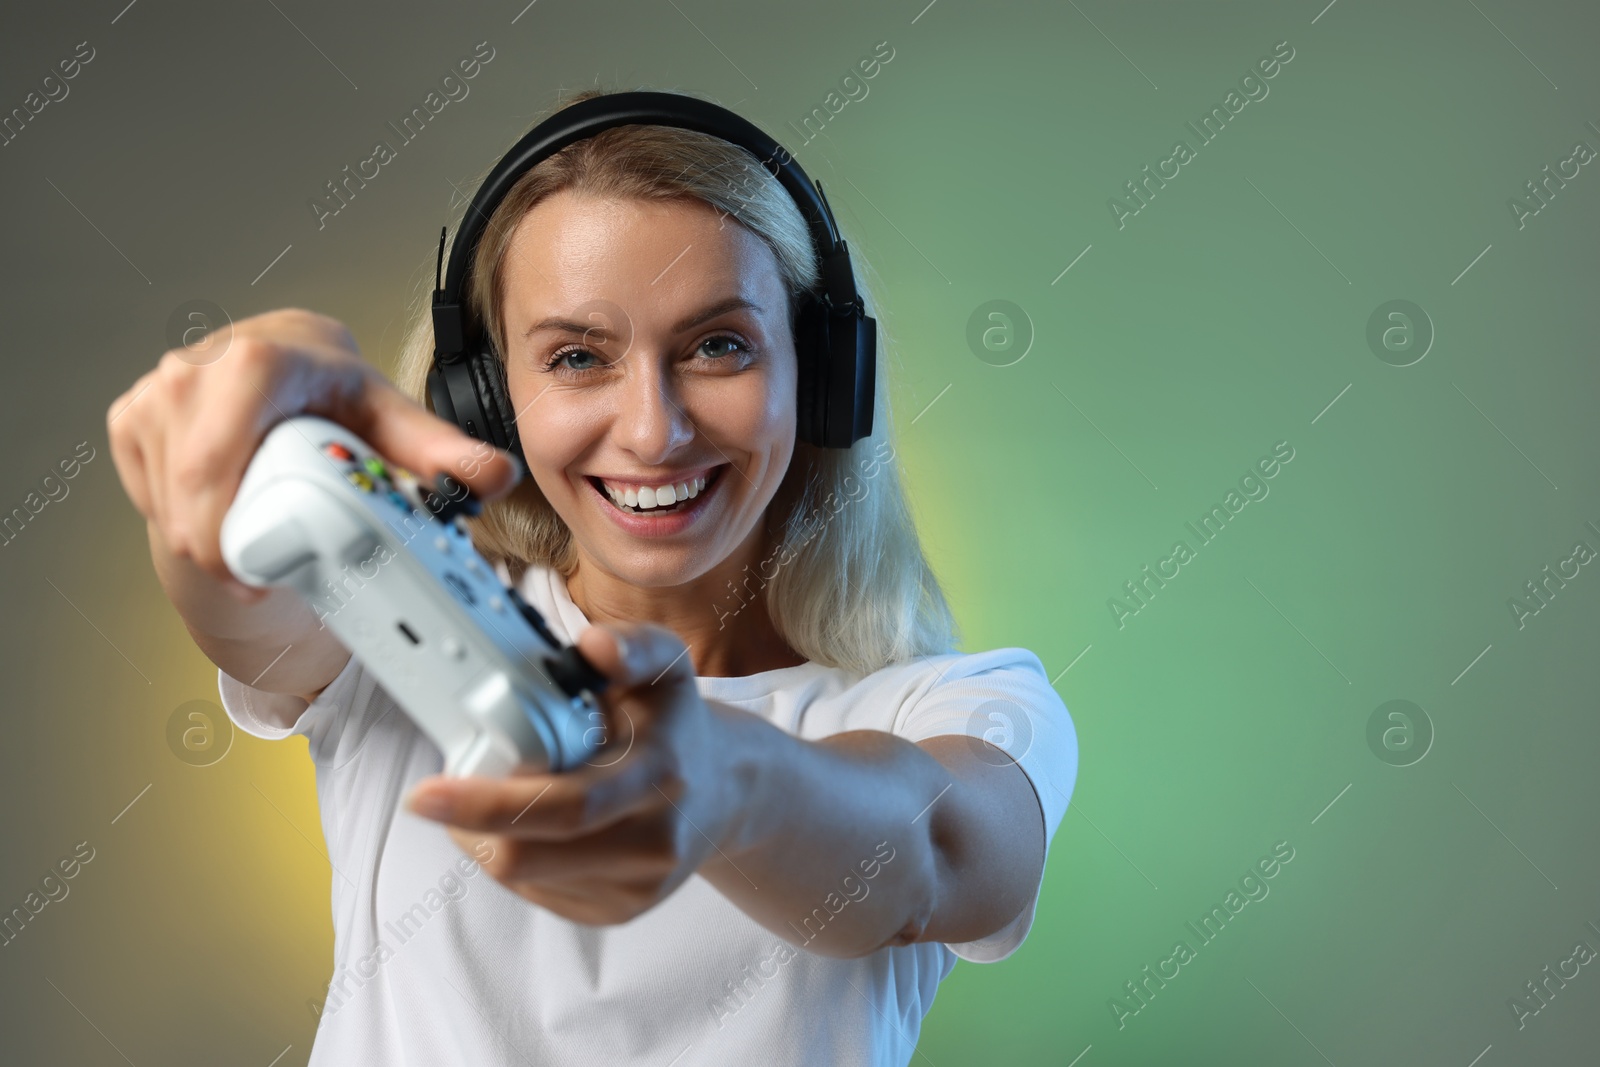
(360, 480)
(406, 485)
(334, 450)
(374, 467)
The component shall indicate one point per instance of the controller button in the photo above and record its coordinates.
(360, 480)
(407, 487)
(459, 586)
(531, 615)
(375, 468)
(334, 450)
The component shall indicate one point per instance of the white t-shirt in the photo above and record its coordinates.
(435, 962)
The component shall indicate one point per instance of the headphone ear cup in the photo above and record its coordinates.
(812, 354)
(494, 400)
(864, 368)
(440, 402)
(455, 396)
(845, 392)
(841, 393)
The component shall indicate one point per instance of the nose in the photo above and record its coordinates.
(651, 422)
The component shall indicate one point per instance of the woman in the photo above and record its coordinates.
(798, 821)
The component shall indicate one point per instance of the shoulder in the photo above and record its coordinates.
(1002, 696)
(972, 664)
(960, 693)
(997, 673)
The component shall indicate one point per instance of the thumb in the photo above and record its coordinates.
(637, 654)
(407, 434)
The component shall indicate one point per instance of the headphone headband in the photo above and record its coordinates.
(831, 329)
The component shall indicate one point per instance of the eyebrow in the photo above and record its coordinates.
(721, 307)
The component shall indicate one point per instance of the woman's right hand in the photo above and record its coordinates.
(183, 434)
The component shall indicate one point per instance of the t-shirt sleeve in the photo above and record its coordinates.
(1005, 698)
(272, 716)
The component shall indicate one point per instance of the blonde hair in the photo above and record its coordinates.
(846, 582)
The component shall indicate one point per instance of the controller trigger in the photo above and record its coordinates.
(574, 674)
(450, 499)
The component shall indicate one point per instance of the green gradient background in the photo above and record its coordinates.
(1214, 724)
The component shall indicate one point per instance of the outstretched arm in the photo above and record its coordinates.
(843, 845)
(864, 839)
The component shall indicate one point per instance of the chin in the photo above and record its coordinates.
(657, 568)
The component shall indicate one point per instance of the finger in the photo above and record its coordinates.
(207, 425)
(129, 461)
(547, 807)
(407, 434)
(500, 805)
(153, 457)
(637, 653)
(287, 364)
(633, 849)
(204, 464)
(299, 327)
(595, 903)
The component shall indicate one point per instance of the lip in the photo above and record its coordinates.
(666, 524)
(674, 478)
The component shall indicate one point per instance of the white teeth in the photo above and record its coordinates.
(646, 497)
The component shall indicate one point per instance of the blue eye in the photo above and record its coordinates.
(555, 362)
(737, 345)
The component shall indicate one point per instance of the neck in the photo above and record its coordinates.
(722, 619)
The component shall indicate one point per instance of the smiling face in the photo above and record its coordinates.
(648, 346)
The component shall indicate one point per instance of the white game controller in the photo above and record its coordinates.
(389, 567)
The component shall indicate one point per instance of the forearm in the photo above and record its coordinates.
(836, 849)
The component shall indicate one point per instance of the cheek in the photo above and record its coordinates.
(552, 442)
(752, 423)
(553, 426)
(753, 412)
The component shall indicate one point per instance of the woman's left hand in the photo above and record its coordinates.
(612, 838)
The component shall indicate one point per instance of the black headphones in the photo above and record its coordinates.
(835, 339)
